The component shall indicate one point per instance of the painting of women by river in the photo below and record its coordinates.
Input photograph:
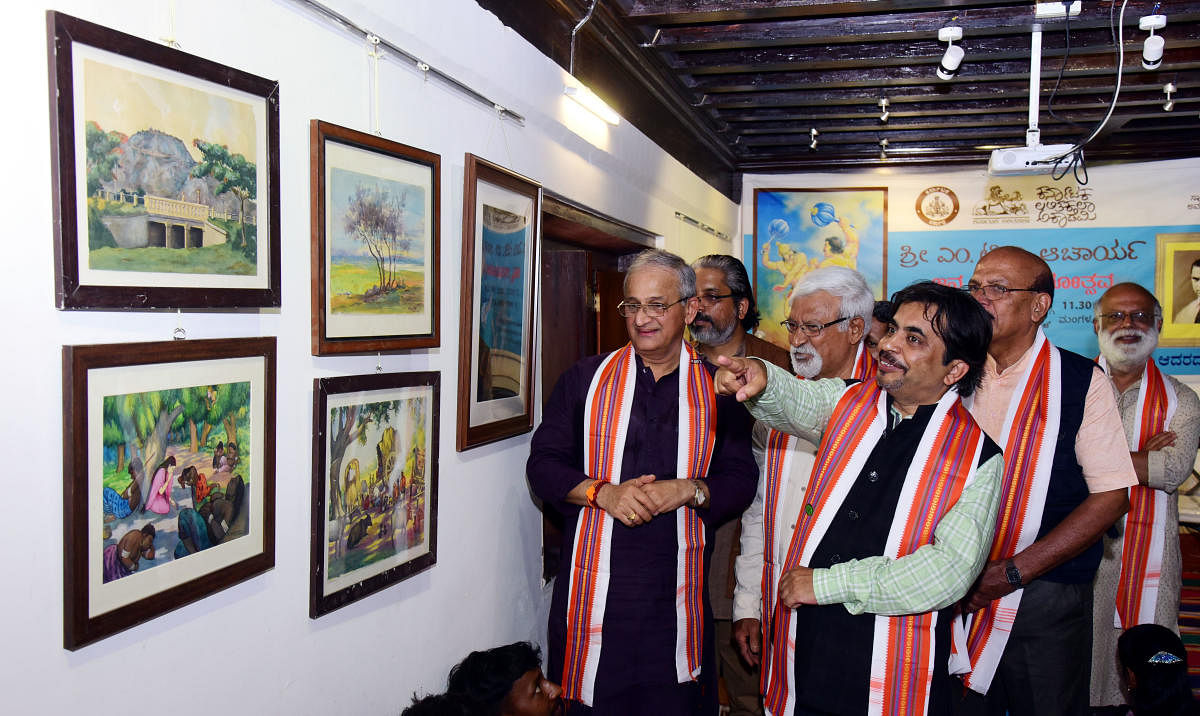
(175, 474)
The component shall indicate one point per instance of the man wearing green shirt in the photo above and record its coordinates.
(899, 515)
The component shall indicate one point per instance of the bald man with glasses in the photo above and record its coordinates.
(643, 460)
(1028, 618)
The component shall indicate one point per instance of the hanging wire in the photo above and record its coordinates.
(582, 22)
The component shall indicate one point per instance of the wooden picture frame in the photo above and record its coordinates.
(501, 222)
(165, 172)
(141, 541)
(374, 288)
(374, 496)
(797, 230)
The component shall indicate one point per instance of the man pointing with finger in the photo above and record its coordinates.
(897, 519)
(643, 459)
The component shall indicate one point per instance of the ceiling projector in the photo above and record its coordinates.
(1018, 161)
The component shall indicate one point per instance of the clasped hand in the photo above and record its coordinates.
(637, 501)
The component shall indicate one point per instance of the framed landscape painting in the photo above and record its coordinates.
(375, 467)
(501, 210)
(169, 477)
(166, 175)
(375, 209)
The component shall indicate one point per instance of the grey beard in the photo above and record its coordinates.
(1127, 357)
(714, 336)
(810, 368)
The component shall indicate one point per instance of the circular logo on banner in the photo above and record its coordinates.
(937, 205)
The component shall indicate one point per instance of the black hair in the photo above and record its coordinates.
(486, 677)
(962, 324)
(1158, 660)
(883, 311)
(738, 281)
(440, 705)
(1196, 263)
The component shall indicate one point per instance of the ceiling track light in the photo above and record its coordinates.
(812, 133)
(1152, 49)
(883, 145)
(953, 57)
(883, 108)
(1168, 89)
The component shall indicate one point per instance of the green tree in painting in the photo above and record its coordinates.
(376, 218)
(234, 173)
(145, 420)
(349, 424)
(230, 402)
(196, 404)
(112, 434)
(102, 155)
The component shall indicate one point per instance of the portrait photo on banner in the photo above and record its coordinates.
(1178, 288)
(799, 230)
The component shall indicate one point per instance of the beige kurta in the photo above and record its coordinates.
(1167, 469)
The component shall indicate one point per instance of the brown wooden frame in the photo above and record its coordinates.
(63, 32)
(319, 603)
(478, 170)
(78, 628)
(321, 133)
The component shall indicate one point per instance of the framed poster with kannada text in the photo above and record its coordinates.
(375, 246)
(166, 175)
(168, 477)
(501, 211)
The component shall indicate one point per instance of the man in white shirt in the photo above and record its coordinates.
(823, 299)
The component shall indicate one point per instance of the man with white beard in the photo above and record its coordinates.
(830, 314)
(1139, 577)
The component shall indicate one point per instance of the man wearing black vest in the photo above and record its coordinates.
(1027, 630)
(897, 517)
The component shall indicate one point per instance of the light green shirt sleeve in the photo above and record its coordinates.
(798, 407)
(931, 578)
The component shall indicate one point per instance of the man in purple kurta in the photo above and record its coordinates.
(637, 667)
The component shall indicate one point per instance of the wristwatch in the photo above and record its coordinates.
(698, 498)
(1012, 574)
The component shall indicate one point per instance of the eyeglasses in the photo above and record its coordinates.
(811, 330)
(653, 310)
(1116, 318)
(995, 292)
(708, 300)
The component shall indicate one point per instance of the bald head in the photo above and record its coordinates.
(1031, 267)
(1126, 291)
(1127, 321)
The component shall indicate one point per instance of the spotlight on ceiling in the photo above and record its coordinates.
(813, 134)
(1152, 49)
(1168, 89)
(954, 53)
(883, 109)
(883, 145)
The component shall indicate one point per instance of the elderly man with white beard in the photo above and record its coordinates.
(1139, 578)
(830, 314)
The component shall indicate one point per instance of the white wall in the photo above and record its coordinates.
(252, 648)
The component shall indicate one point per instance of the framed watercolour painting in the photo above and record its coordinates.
(169, 477)
(375, 209)
(166, 175)
(375, 467)
(798, 230)
(501, 210)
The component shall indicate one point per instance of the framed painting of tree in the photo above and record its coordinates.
(501, 212)
(166, 175)
(375, 476)
(169, 477)
(375, 209)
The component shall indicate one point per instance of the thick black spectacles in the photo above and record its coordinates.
(708, 300)
(810, 329)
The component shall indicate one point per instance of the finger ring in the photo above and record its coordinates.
(633, 517)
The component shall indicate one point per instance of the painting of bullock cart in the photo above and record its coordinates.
(166, 175)
(374, 484)
(169, 476)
